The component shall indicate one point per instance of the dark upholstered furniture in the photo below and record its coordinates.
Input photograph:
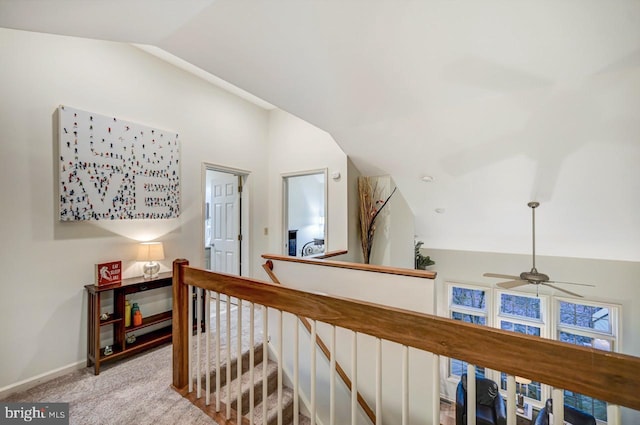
(571, 415)
(490, 407)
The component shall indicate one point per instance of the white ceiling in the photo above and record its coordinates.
(501, 102)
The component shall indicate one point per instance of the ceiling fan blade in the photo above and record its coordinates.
(563, 290)
(501, 276)
(512, 284)
(572, 283)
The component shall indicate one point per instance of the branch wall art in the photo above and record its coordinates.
(113, 169)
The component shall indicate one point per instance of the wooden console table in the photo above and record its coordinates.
(120, 347)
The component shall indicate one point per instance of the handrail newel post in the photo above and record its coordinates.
(180, 325)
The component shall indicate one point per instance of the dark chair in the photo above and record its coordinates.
(490, 407)
(571, 415)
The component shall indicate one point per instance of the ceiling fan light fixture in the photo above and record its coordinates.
(533, 276)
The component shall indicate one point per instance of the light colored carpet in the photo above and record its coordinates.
(131, 391)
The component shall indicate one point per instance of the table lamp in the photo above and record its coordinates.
(150, 252)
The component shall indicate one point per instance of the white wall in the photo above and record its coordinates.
(393, 240)
(354, 253)
(616, 282)
(296, 146)
(45, 263)
(402, 230)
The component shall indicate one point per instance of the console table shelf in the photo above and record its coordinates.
(120, 347)
(151, 320)
(110, 320)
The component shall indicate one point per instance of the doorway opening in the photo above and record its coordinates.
(305, 209)
(224, 247)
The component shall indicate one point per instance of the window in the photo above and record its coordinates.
(582, 322)
(592, 325)
(523, 314)
(468, 304)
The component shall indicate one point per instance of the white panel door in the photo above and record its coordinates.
(225, 243)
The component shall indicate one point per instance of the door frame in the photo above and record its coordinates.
(285, 205)
(243, 208)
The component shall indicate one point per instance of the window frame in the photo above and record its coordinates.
(549, 323)
(543, 323)
(451, 308)
(615, 322)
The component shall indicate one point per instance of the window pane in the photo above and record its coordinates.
(597, 408)
(472, 298)
(599, 343)
(516, 305)
(465, 297)
(520, 328)
(458, 367)
(585, 316)
(469, 318)
(532, 390)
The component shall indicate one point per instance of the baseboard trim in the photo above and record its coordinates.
(39, 379)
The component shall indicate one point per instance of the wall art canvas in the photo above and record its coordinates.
(111, 169)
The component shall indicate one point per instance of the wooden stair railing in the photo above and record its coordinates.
(268, 267)
(331, 254)
(426, 274)
(611, 377)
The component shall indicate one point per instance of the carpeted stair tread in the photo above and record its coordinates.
(258, 374)
(257, 359)
(272, 398)
(272, 408)
(303, 420)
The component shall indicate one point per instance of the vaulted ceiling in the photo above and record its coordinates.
(500, 102)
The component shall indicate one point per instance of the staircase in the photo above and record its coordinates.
(271, 400)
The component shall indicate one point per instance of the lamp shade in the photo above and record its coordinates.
(150, 251)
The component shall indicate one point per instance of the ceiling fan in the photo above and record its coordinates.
(532, 277)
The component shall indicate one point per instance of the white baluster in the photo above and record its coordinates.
(296, 373)
(557, 394)
(354, 378)
(471, 394)
(190, 336)
(332, 377)
(198, 339)
(613, 414)
(207, 338)
(280, 355)
(313, 372)
(378, 381)
(511, 400)
(218, 329)
(239, 361)
(228, 338)
(405, 385)
(436, 389)
(265, 357)
(252, 323)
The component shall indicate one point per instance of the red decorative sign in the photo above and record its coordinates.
(108, 273)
